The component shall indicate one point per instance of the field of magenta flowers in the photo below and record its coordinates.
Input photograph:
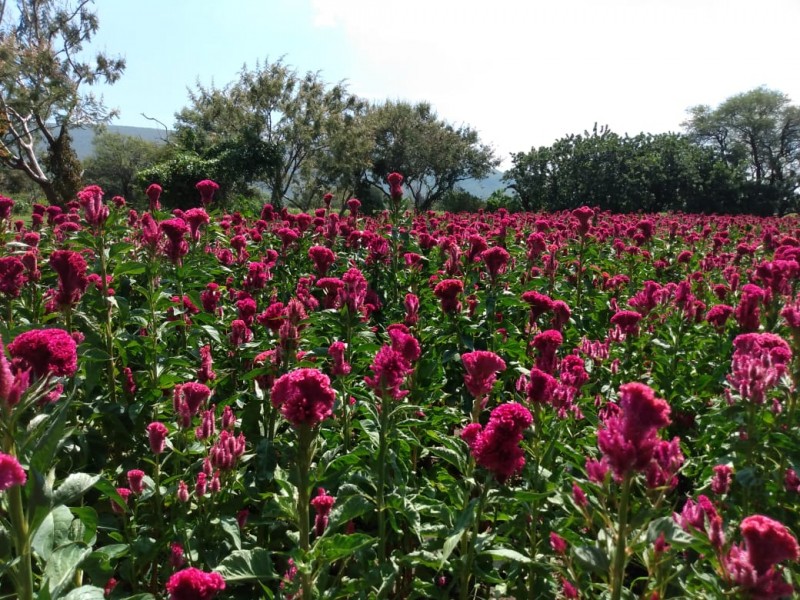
(200, 405)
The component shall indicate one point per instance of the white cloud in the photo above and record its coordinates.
(526, 73)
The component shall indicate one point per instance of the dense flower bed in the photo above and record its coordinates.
(210, 405)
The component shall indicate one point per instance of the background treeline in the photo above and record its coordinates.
(277, 135)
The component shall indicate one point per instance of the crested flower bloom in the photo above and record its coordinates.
(447, 291)
(628, 438)
(72, 281)
(496, 447)
(136, 480)
(759, 361)
(539, 303)
(405, 343)
(207, 188)
(495, 259)
(45, 351)
(481, 368)
(354, 292)
(195, 217)
(12, 276)
(411, 304)
(721, 481)
(206, 372)
(340, 365)
(540, 387)
(627, 321)
(395, 181)
(94, 210)
(153, 192)
(322, 258)
(390, 369)
(754, 567)
(194, 584)
(175, 230)
(547, 343)
(157, 436)
(584, 216)
(322, 505)
(227, 450)
(11, 472)
(304, 396)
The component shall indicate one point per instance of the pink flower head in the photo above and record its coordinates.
(539, 303)
(136, 480)
(759, 361)
(395, 181)
(405, 343)
(558, 543)
(481, 368)
(153, 192)
(157, 436)
(447, 291)
(584, 215)
(205, 372)
(322, 505)
(354, 292)
(72, 280)
(11, 472)
(95, 211)
(627, 321)
(547, 343)
(495, 259)
(629, 439)
(304, 396)
(354, 204)
(540, 387)
(6, 207)
(46, 351)
(207, 188)
(12, 276)
(496, 447)
(322, 258)
(227, 450)
(175, 230)
(196, 217)
(768, 542)
(194, 584)
(411, 304)
(340, 365)
(718, 315)
(390, 369)
(721, 482)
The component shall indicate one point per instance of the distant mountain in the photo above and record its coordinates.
(82, 143)
(82, 138)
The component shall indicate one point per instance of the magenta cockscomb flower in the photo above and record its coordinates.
(12, 276)
(496, 448)
(395, 181)
(207, 189)
(95, 210)
(322, 505)
(759, 361)
(136, 480)
(340, 366)
(405, 343)
(157, 436)
(540, 386)
(227, 450)
(206, 372)
(196, 217)
(194, 584)
(627, 321)
(584, 216)
(11, 472)
(72, 281)
(495, 259)
(175, 230)
(45, 351)
(153, 192)
(448, 291)
(354, 292)
(411, 304)
(481, 368)
(322, 258)
(390, 370)
(629, 438)
(304, 396)
(538, 302)
(547, 343)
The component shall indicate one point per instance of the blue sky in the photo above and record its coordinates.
(521, 72)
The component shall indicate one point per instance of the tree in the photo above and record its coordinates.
(432, 155)
(116, 160)
(759, 131)
(300, 117)
(42, 77)
(644, 172)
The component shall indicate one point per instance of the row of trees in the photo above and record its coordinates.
(743, 156)
(291, 137)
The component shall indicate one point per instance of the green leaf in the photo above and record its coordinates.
(231, 527)
(592, 558)
(507, 554)
(464, 521)
(74, 487)
(53, 532)
(338, 546)
(246, 565)
(61, 566)
(86, 592)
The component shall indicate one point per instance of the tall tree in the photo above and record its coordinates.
(42, 81)
(116, 160)
(298, 115)
(760, 131)
(432, 155)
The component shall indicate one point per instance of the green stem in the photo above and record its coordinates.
(618, 574)
(466, 573)
(22, 543)
(305, 436)
(108, 332)
(385, 423)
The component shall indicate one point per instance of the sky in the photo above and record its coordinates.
(523, 73)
